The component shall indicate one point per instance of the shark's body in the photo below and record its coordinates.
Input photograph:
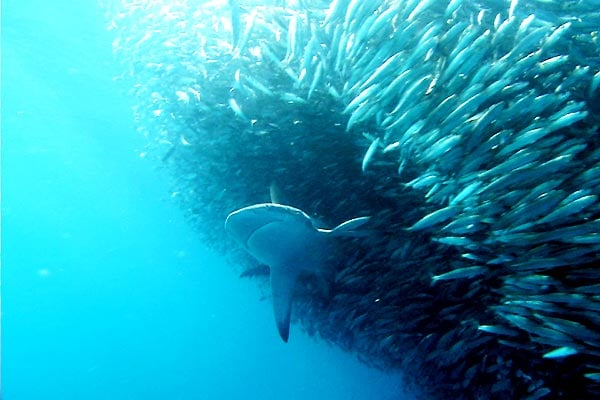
(285, 239)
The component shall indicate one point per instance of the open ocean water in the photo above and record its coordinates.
(107, 292)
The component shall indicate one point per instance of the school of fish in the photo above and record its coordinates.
(468, 131)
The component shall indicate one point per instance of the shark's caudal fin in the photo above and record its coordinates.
(282, 287)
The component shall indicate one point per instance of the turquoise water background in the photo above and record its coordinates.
(106, 291)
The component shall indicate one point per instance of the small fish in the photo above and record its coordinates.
(498, 330)
(434, 218)
(567, 120)
(561, 352)
(552, 63)
(556, 36)
(391, 147)
(594, 376)
(237, 109)
(568, 209)
(460, 273)
(369, 154)
(460, 241)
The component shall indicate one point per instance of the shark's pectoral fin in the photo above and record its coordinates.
(282, 286)
(349, 227)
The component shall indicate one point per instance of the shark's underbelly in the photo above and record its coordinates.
(286, 247)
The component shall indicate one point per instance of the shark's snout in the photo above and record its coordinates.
(241, 224)
(238, 226)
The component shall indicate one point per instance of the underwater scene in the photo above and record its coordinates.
(302, 199)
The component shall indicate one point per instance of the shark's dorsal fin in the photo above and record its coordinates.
(276, 194)
(348, 228)
(282, 287)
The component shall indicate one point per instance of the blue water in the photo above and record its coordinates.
(107, 293)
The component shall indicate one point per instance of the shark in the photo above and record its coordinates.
(287, 240)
